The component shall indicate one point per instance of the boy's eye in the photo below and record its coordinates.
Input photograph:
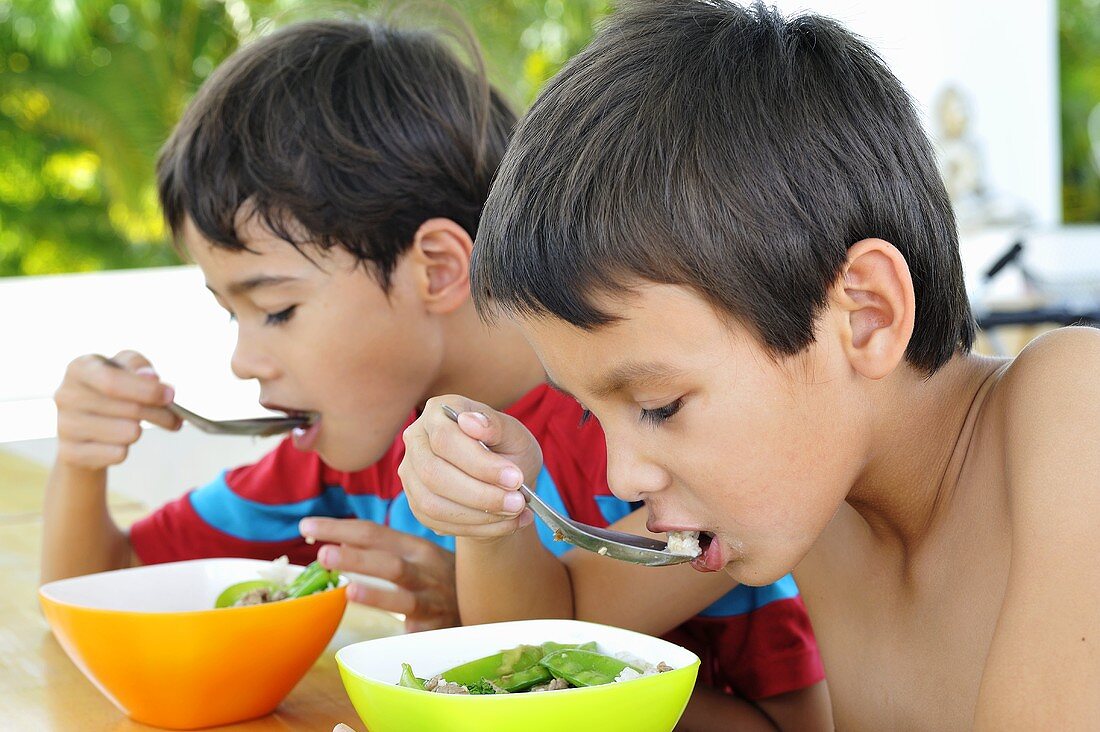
(280, 317)
(662, 414)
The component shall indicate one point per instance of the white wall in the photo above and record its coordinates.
(1002, 53)
(165, 313)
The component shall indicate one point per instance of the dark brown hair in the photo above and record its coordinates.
(355, 131)
(730, 150)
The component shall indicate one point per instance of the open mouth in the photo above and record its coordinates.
(306, 414)
(710, 557)
(689, 543)
(309, 416)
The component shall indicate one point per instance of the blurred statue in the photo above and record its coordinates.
(961, 166)
(959, 159)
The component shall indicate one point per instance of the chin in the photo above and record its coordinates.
(752, 574)
(344, 462)
(348, 459)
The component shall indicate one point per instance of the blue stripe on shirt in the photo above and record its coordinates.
(401, 518)
(224, 510)
(547, 490)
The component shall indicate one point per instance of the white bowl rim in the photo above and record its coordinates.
(49, 590)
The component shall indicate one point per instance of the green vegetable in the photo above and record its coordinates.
(313, 578)
(482, 687)
(585, 668)
(550, 646)
(231, 594)
(524, 680)
(495, 666)
(523, 667)
(409, 679)
(519, 659)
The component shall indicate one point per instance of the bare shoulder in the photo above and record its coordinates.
(1063, 361)
(1048, 402)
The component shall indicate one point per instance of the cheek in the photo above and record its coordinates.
(777, 473)
(387, 362)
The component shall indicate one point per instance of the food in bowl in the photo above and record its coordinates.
(548, 666)
(276, 584)
(652, 703)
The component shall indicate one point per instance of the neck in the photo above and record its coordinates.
(921, 428)
(493, 363)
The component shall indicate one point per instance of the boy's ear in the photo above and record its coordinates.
(875, 299)
(440, 254)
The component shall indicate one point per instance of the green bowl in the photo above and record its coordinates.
(650, 704)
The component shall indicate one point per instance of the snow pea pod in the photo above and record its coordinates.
(525, 679)
(495, 666)
(550, 647)
(409, 679)
(313, 578)
(585, 668)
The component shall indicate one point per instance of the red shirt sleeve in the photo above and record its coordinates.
(175, 532)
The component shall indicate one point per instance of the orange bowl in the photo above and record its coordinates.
(150, 640)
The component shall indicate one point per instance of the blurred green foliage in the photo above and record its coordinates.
(90, 89)
(1079, 46)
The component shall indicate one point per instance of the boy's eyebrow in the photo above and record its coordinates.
(252, 283)
(633, 372)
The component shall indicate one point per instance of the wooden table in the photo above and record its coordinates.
(41, 689)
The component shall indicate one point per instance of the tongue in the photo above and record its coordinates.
(710, 559)
(304, 437)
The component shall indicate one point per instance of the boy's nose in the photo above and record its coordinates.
(248, 362)
(629, 476)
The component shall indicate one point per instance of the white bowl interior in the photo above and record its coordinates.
(434, 651)
(158, 588)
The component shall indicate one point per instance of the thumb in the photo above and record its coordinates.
(134, 361)
(502, 433)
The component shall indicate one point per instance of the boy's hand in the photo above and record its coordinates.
(454, 485)
(100, 408)
(423, 572)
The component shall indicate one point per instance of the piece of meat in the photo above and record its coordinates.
(260, 596)
(450, 688)
(554, 685)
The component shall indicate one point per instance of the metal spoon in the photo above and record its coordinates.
(252, 427)
(615, 544)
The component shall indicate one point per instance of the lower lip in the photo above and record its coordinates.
(712, 559)
(305, 437)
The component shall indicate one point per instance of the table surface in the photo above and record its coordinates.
(41, 689)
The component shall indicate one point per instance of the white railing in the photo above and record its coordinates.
(165, 313)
